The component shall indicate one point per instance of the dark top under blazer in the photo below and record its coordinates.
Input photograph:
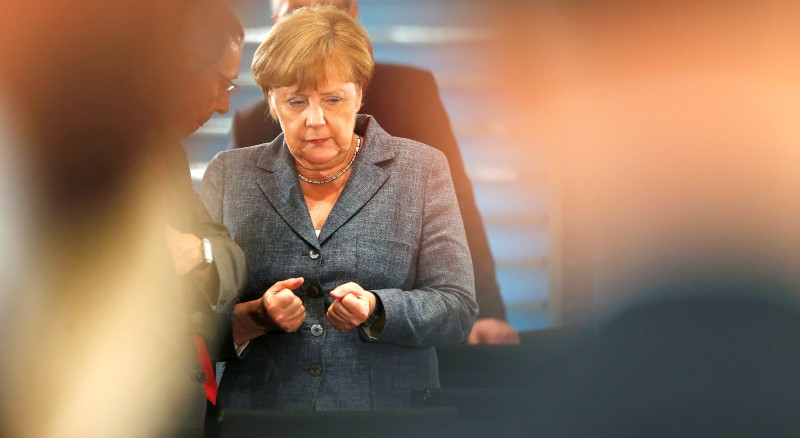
(395, 230)
(406, 102)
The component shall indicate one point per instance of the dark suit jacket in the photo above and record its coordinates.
(406, 102)
(395, 230)
(194, 307)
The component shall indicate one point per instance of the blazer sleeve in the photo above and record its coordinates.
(407, 103)
(228, 256)
(231, 260)
(441, 309)
(211, 191)
(487, 291)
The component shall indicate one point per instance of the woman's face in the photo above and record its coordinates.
(318, 122)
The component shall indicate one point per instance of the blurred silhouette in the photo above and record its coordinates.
(97, 330)
(696, 351)
(673, 144)
(667, 134)
(705, 354)
(211, 267)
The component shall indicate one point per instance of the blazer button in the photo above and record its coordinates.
(201, 377)
(314, 254)
(316, 329)
(315, 370)
(314, 291)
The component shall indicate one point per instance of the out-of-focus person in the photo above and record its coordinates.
(13, 217)
(211, 266)
(406, 102)
(97, 321)
(359, 262)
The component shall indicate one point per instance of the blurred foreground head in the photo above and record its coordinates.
(670, 141)
(94, 89)
(90, 88)
(693, 356)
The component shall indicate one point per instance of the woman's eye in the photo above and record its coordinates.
(295, 103)
(333, 100)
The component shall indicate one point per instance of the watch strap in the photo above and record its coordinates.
(376, 315)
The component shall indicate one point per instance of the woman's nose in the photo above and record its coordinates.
(315, 116)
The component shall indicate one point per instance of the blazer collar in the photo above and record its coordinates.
(278, 182)
(281, 186)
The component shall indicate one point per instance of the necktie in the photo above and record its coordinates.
(210, 384)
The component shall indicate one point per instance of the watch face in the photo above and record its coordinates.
(208, 255)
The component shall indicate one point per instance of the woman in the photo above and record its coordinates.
(354, 234)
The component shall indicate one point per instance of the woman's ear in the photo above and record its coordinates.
(360, 96)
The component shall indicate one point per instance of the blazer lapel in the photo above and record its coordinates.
(366, 178)
(282, 190)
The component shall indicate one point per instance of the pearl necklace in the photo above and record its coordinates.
(338, 174)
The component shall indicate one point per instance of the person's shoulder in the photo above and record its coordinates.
(415, 158)
(415, 151)
(401, 69)
(398, 75)
(400, 145)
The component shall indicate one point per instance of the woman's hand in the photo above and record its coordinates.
(492, 331)
(351, 307)
(278, 309)
(281, 308)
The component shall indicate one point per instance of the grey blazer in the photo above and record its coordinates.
(396, 230)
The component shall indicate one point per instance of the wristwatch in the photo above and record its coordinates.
(208, 254)
(377, 313)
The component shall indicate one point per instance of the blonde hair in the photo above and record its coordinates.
(310, 43)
